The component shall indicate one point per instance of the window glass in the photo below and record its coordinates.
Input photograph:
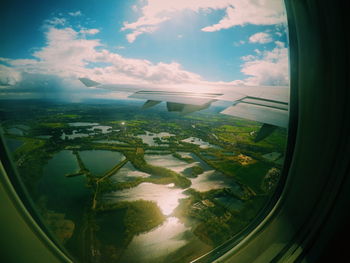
(145, 131)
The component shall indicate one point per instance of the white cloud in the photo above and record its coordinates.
(66, 51)
(278, 33)
(248, 58)
(138, 70)
(92, 31)
(238, 12)
(243, 12)
(9, 76)
(5, 60)
(143, 25)
(56, 21)
(68, 54)
(120, 47)
(261, 38)
(267, 67)
(77, 13)
(132, 36)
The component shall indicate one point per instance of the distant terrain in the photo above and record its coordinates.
(112, 181)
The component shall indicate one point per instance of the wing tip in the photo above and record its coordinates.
(89, 83)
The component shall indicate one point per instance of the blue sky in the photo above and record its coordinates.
(144, 41)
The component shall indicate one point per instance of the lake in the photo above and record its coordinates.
(65, 194)
(82, 124)
(154, 246)
(172, 235)
(101, 128)
(70, 196)
(168, 161)
(166, 196)
(110, 142)
(13, 144)
(74, 135)
(202, 144)
(100, 161)
(128, 173)
(149, 137)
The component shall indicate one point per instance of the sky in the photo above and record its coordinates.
(47, 45)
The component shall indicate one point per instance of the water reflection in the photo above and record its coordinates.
(92, 185)
(205, 182)
(150, 138)
(168, 161)
(111, 142)
(155, 245)
(166, 196)
(128, 173)
(103, 129)
(74, 135)
(202, 144)
(82, 124)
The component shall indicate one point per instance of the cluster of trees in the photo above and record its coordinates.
(182, 158)
(193, 171)
(214, 224)
(141, 216)
(161, 175)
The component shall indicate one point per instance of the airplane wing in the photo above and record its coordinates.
(265, 104)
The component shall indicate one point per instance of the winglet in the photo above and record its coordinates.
(89, 83)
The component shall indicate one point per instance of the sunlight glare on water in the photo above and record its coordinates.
(166, 196)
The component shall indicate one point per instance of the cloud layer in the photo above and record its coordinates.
(70, 53)
(267, 67)
(237, 13)
(261, 38)
(9, 76)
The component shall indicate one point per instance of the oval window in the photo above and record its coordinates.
(146, 131)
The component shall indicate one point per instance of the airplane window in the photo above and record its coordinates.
(145, 131)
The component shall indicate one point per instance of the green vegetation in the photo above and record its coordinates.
(30, 145)
(193, 171)
(161, 175)
(140, 216)
(212, 222)
(104, 227)
(68, 116)
(53, 125)
(196, 170)
(62, 228)
(250, 175)
(180, 157)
